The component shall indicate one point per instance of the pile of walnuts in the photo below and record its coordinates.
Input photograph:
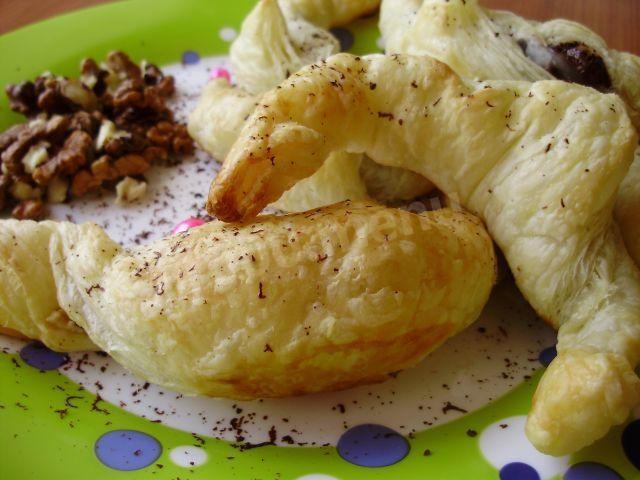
(86, 133)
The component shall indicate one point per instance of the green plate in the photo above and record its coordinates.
(53, 428)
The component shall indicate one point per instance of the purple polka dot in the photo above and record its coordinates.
(631, 442)
(547, 355)
(591, 471)
(372, 445)
(190, 57)
(127, 450)
(345, 37)
(39, 356)
(518, 471)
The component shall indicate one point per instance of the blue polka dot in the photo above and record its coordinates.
(547, 355)
(190, 57)
(39, 356)
(591, 471)
(345, 37)
(631, 443)
(518, 471)
(127, 450)
(372, 445)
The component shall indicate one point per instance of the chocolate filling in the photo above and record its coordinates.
(572, 62)
(578, 63)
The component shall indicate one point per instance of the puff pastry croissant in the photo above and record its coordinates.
(276, 39)
(484, 44)
(279, 306)
(539, 162)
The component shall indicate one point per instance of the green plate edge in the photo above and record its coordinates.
(36, 443)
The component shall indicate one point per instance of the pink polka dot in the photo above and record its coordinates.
(220, 72)
(187, 224)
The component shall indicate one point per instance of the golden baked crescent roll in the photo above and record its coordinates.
(539, 162)
(485, 44)
(276, 39)
(280, 306)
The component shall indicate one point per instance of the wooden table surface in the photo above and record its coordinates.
(616, 20)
